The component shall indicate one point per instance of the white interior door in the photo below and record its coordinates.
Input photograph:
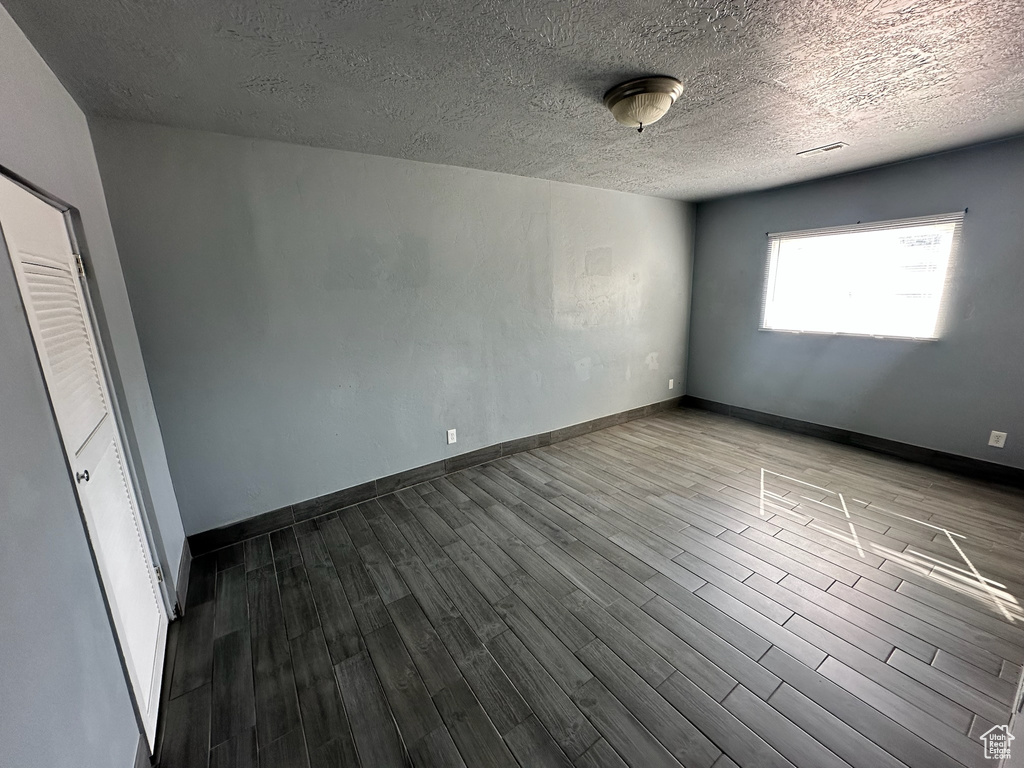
(47, 274)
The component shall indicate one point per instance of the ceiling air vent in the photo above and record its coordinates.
(822, 150)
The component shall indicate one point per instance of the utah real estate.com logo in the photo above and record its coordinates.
(997, 742)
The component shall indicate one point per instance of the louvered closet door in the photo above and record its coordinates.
(47, 274)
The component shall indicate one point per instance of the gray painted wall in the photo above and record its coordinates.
(312, 319)
(63, 696)
(945, 395)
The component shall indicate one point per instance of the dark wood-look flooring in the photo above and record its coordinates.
(684, 589)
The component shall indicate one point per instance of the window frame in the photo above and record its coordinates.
(775, 238)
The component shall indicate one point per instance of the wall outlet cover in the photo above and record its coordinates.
(997, 439)
(451, 436)
(671, 383)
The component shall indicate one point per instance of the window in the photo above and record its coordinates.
(880, 279)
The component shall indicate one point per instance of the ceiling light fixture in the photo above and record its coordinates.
(639, 103)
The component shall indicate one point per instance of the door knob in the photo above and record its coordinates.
(82, 476)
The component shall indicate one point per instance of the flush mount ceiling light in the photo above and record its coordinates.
(639, 103)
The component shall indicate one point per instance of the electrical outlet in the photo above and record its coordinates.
(997, 439)
(671, 383)
(451, 436)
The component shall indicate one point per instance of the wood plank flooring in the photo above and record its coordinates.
(684, 589)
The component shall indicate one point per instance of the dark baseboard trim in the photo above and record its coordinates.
(142, 758)
(208, 541)
(949, 462)
(181, 585)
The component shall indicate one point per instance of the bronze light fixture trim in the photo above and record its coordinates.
(638, 103)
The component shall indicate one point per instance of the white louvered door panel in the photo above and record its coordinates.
(47, 274)
(63, 336)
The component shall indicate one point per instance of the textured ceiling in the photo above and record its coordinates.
(516, 86)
